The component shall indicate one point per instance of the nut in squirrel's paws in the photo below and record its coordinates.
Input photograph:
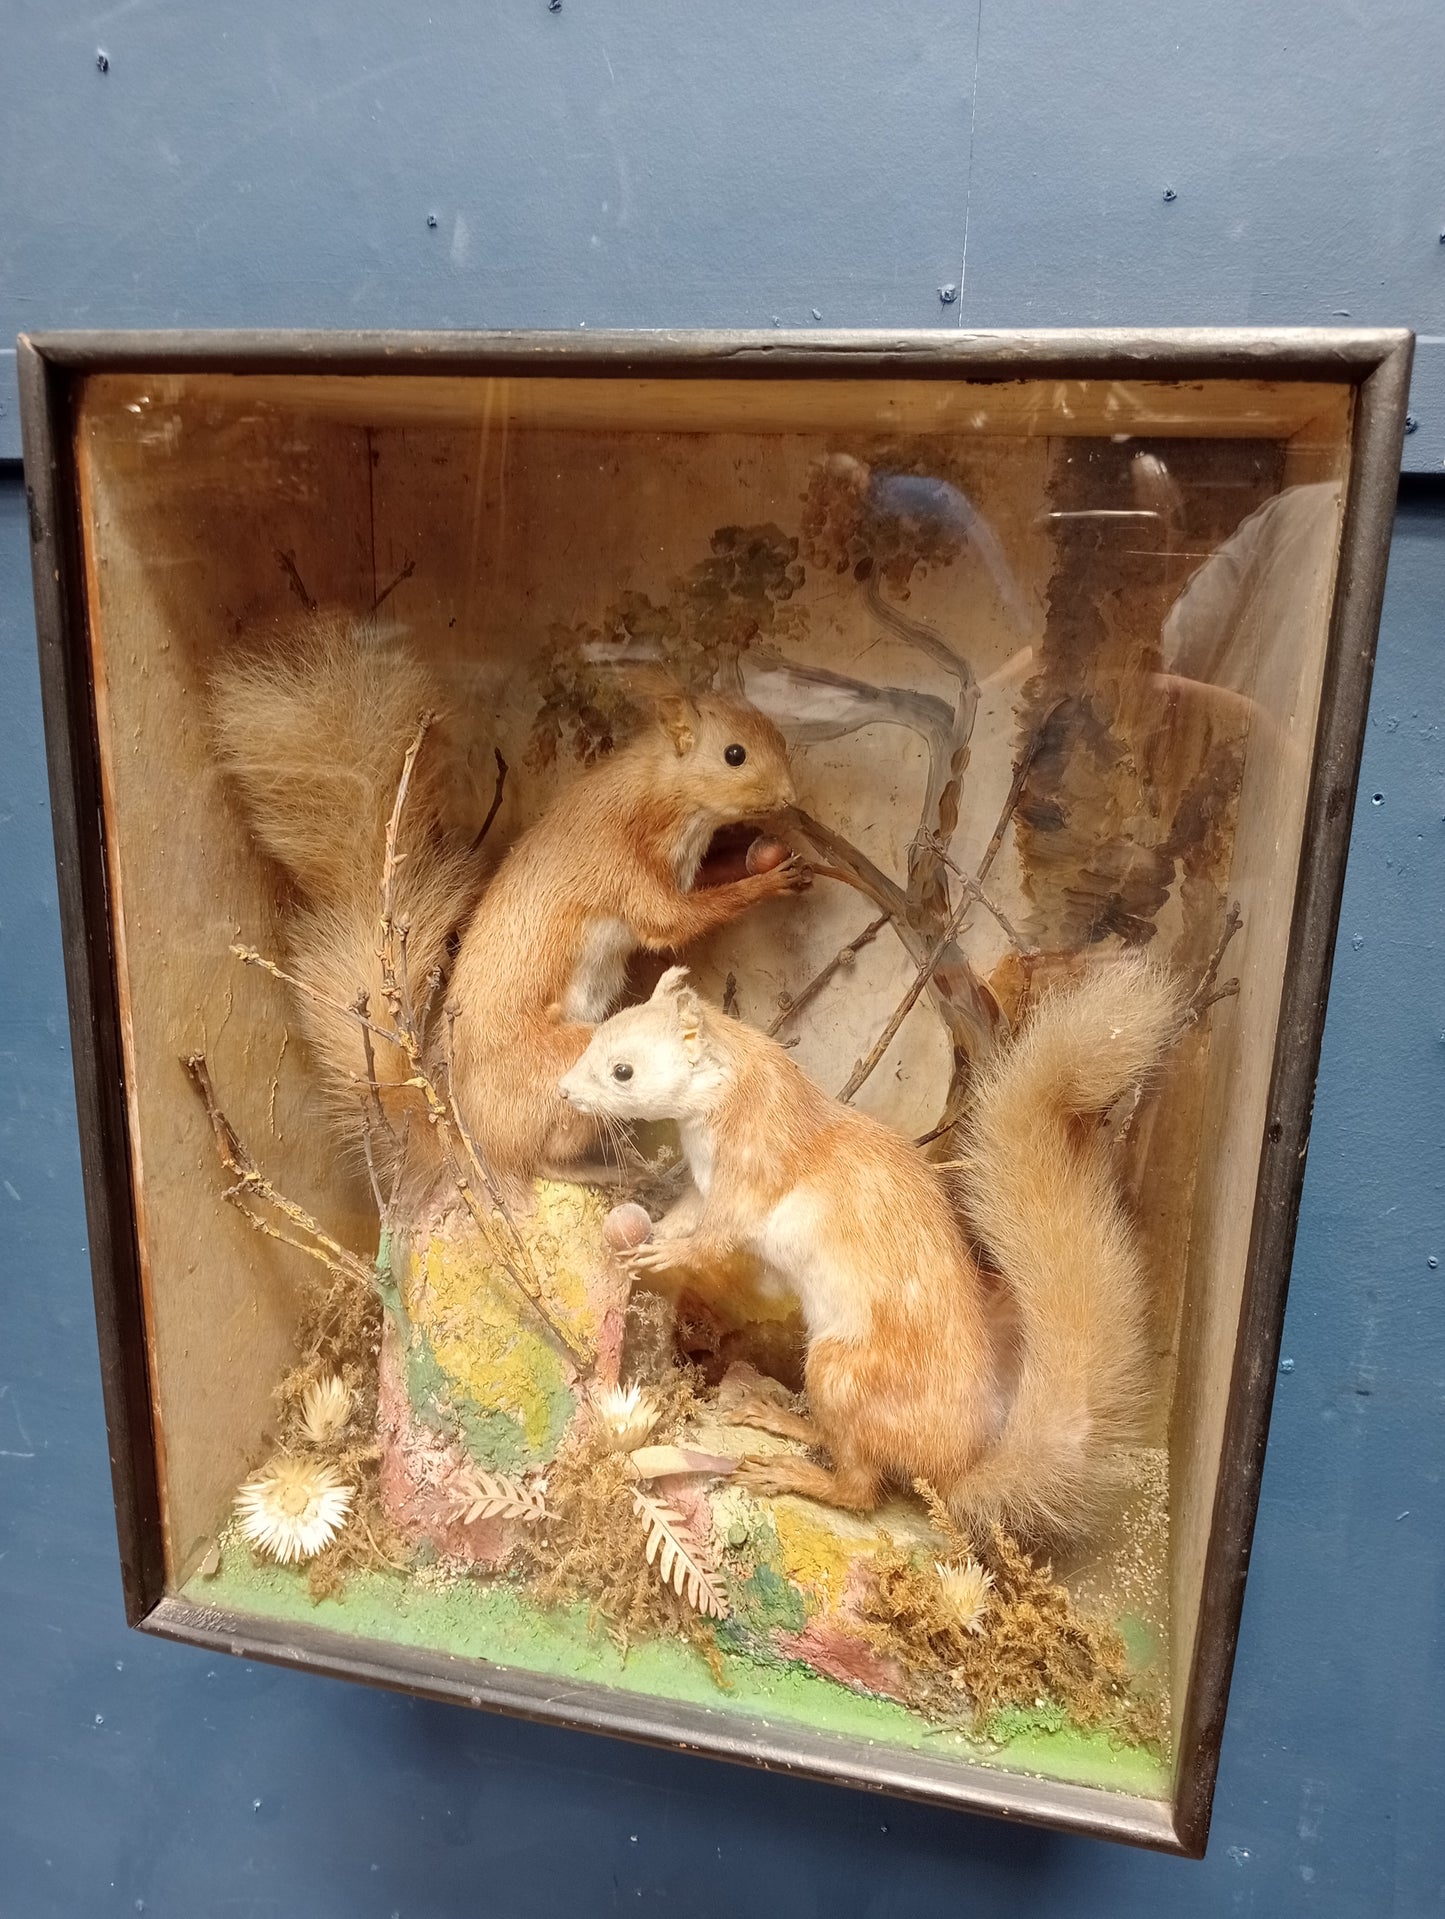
(764, 854)
(626, 1227)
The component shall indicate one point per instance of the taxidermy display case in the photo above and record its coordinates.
(696, 966)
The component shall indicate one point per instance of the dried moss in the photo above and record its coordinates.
(647, 1339)
(340, 1334)
(593, 1547)
(1035, 1653)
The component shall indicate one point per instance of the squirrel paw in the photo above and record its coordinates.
(794, 875)
(756, 1410)
(770, 1477)
(660, 1256)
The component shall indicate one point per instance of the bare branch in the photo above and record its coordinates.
(287, 561)
(905, 1006)
(361, 1009)
(250, 957)
(973, 889)
(370, 1157)
(1204, 994)
(815, 985)
(496, 805)
(251, 1183)
(1022, 768)
(405, 574)
(964, 1004)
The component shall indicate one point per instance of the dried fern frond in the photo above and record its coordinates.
(477, 1495)
(680, 1559)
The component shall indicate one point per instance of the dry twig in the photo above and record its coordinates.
(906, 1005)
(495, 807)
(843, 957)
(1206, 993)
(252, 1184)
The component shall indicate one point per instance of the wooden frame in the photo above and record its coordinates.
(1304, 368)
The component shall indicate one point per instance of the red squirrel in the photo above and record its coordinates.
(906, 1376)
(314, 738)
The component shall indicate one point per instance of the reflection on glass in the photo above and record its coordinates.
(441, 720)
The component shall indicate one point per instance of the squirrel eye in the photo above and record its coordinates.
(622, 1070)
(735, 755)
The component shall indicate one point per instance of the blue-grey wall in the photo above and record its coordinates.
(633, 162)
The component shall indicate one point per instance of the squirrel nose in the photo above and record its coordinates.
(562, 1090)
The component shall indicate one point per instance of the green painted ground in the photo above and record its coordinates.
(498, 1623)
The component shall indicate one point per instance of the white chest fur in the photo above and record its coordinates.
(601, 968)
(698, 1149)
(795, 1243)
(687, 854)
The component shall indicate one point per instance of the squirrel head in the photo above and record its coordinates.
(655, 1061)
(725, 760)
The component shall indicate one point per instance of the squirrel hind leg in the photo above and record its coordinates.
(852, 1486)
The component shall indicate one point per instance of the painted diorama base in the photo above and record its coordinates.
(495, 1621)
(475, 1408)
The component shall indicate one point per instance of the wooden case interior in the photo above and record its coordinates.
(491, 515)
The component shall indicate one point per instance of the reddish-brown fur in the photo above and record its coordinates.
(906, 1376)
(315, 740)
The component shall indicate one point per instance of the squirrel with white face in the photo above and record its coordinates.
(908, 1373)
(314, 736)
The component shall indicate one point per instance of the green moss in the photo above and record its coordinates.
(1024, 1722)
(499, 1623)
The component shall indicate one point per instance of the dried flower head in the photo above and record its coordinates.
(966, 1588)
(627, 1414)
(293, 1508)
(325, 1409)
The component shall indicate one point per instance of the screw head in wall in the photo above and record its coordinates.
(948, 294)
(1170, 194)
(1411, 423)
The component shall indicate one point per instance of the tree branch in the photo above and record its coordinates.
(840, 959)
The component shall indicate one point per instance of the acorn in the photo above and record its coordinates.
(764, 854)
(627, 1226)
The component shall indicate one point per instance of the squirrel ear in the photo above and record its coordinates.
(673, 986)
(671, 983)
(675, 712)
(678, 717)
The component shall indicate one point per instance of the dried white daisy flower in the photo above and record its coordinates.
(325, 1409)
(628, 1414)
(966, 1589)
(293, 1507)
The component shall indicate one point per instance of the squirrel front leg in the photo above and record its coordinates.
(674, 1259)
(667, 917)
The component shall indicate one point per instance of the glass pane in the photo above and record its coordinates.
(907, 715)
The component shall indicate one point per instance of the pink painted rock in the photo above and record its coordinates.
(418, 1470)
(831, 1648)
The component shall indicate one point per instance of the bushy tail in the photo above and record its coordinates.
(314, 737)
(1040, 1190)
